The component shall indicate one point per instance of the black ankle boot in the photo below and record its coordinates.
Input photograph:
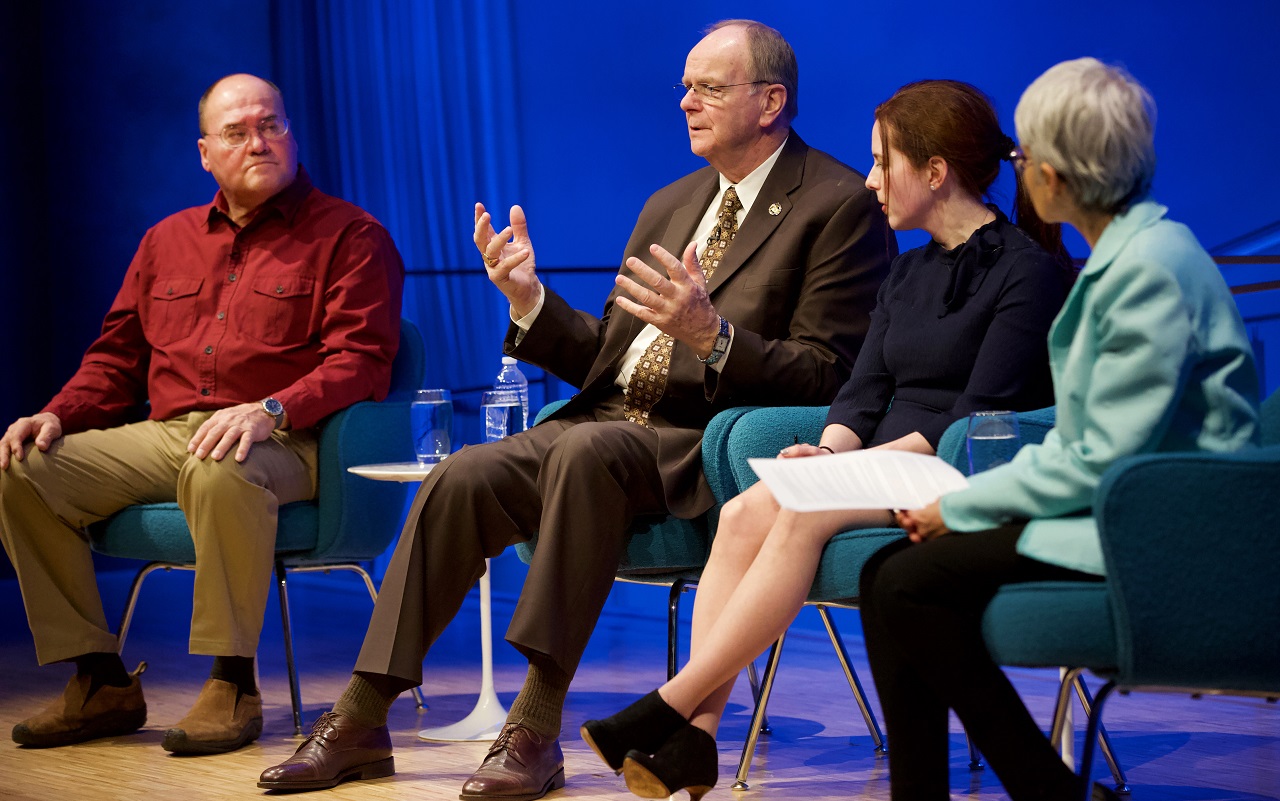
(643, 726)
(686, 761)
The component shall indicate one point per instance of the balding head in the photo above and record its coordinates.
(259, 158)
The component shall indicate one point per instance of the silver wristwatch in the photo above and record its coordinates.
(274, 408)
(721, 346)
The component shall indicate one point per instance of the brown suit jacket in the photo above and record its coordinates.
(797, 286)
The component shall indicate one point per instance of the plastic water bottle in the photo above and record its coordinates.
(510, 379)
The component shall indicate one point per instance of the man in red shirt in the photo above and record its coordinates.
(243, 324)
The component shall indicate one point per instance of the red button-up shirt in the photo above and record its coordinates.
(301, 304)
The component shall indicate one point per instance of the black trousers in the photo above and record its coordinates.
(922, 611)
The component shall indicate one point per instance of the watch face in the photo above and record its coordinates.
(273, 407)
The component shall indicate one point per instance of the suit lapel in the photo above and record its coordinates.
(767, 212)
(625, 327)
(684, 222)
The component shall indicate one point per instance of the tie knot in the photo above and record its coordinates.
(731, 204)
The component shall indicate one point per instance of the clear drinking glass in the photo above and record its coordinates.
(993, 439)
(502, 413)
(431, 419)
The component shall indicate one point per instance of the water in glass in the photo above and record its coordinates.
(993, 439)
(431, 418)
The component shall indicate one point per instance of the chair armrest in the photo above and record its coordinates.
(1193, 562)
(548, 409)
(716, 462)
(359, 517)
(1032, 428)
(762, 432)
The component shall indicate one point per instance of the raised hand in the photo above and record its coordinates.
(676, 303)
(508, 259)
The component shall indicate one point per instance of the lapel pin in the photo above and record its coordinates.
(775, 209)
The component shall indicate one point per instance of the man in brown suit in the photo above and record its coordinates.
(771, 310)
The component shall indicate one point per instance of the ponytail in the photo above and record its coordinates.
(1047, 235)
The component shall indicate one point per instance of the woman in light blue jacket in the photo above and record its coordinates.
(1148, 354)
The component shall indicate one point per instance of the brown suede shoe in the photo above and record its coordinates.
(77, 716)
(217, 723)
(338, 749)
(521, 766)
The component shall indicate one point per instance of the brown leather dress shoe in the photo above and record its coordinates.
(521, 766)
(79, 715)
(338, 749)
(219, 722)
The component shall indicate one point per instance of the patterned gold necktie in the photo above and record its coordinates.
(649, 378)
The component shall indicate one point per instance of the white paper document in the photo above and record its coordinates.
(871, 479)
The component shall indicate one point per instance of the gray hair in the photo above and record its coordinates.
(1095, 125)
(772, 60)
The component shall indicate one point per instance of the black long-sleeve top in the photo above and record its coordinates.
(955, 332)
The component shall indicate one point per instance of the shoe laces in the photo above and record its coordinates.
(324, 723)
(503, 743)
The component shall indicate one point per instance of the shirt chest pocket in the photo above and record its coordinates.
(278, 309)
(171, 314)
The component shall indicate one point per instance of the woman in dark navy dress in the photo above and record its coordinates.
(960, 325)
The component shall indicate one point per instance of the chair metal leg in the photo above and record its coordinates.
(132, 600)
(753, 678)
(295, 696)
(851, 676)
(356, 568)
(1104, 741)
(1062, 705)
(1091, 735)
(673, 624)
(975, 756)
(757, 718)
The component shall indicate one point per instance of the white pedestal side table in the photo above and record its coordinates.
(486, 719)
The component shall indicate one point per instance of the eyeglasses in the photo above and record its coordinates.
(708, 92)
(271, 129)
(1018, 158)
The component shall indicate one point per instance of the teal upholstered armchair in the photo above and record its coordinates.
(351, 520)
(1192, 597)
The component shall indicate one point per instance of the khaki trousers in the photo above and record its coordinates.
(48, 499)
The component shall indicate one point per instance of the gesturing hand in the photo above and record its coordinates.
(675, 303)
(44, 428)
(244, 424)
(508, 259)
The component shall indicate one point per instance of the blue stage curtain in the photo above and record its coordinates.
(405, 108)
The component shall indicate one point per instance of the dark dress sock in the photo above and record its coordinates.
(236, 669)
(103, 670)
(368, 697)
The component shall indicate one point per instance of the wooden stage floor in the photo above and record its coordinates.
(1172, 747)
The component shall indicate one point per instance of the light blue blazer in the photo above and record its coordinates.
(1148, 354)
